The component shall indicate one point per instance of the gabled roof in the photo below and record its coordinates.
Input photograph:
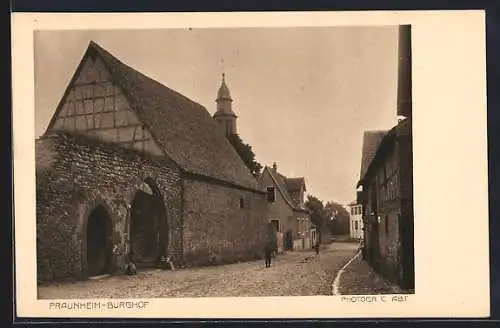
(183, 128)
(281, 182)
(383, 144)
(371, 141)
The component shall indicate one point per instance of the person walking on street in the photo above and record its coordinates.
(268, 252)
(316, 249)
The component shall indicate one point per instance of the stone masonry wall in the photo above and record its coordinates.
(216, 229)
(74, 175)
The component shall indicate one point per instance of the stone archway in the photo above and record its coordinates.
(99, 242)
(148, 225)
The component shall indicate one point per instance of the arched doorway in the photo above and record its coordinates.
(99, 242)
(148, 226)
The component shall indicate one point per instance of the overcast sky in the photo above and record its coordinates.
(303, 96)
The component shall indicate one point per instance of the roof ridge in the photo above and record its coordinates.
(184, 128)
(286, 196)
(131, 68)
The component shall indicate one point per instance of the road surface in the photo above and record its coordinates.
(291, 274)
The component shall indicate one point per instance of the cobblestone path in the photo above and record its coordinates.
(292, 274)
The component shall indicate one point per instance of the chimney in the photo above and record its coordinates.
(275, 167)
(404, 92)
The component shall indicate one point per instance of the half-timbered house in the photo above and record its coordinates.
(387, 185)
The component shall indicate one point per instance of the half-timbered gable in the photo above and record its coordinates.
(95, 105)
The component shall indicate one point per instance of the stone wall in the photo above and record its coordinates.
(216, 229)
(74, 175)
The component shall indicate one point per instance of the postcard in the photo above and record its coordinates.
(250, 165)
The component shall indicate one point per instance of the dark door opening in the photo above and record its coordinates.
(148, 228)
(288, 240)
(99, 242)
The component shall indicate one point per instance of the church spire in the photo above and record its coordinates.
(224, 114)
(224, 94)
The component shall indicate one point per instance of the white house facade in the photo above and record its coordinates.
(356, 221)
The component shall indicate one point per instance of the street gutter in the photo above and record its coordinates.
(336, 282)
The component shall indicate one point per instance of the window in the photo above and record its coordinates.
(271, 197)
(355, 225)
(388, 179)
(276, 224)
(386, 224)
(242, 203)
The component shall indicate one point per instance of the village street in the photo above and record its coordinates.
(292, 274)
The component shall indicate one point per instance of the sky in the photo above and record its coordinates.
(303, 96)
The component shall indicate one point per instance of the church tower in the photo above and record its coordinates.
(224, 114)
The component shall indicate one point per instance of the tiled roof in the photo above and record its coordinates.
(294, 184)
(371, 141)
(386, 141)
(184, 128)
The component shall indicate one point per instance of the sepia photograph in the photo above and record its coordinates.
(165, 166)
(250, 165)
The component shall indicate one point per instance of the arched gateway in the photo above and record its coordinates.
(148, 226)
(99, 242)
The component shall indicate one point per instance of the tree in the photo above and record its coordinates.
(246, 153)
(319, 216)
(340, 224)
(317, 210)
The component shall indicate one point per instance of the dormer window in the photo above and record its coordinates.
(271, 195)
